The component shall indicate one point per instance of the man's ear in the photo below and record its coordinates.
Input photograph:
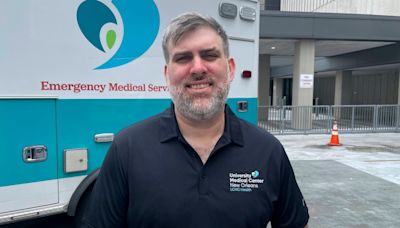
(165, 72)
(231, 68)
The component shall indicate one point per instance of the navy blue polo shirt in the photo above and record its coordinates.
(152, 177)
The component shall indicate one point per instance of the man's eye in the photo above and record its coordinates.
(182, 59)
(210, 56)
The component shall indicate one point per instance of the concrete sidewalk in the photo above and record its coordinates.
(354, 185)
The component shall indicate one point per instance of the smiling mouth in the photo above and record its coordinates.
(199, 86)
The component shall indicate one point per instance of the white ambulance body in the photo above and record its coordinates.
(74, 72)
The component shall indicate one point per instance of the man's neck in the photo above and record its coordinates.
(202, 135)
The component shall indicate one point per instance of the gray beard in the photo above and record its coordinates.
(186, 105)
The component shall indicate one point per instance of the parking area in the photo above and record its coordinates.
(353, 185)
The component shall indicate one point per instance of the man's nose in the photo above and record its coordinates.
(198, 66)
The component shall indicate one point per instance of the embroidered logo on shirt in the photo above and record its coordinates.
(255, 174)
(244, 182)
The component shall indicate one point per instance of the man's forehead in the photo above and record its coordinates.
(191, 30)
(173, 44)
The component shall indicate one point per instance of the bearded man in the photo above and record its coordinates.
(196, 164)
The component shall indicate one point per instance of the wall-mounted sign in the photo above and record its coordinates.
(306, 81)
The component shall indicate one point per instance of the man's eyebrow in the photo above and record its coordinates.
(210, 50)
(189, 53)
(183, 53)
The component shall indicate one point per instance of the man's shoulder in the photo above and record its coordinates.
(139, 126)
(144, 129)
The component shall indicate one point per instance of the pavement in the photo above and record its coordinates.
(354, 185)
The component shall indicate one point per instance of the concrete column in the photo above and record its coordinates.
(398, 90)
(341, 93)
(277, 91)
(263, 86)
(338, 88)
(303, 64)
(302, 90)
(341, 76)
(398, 102)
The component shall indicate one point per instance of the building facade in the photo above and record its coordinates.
(349, 47)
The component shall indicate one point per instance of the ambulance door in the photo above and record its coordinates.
(28, 158)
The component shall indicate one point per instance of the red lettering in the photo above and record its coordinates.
(45, 85)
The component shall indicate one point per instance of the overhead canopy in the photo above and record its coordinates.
(332, 26)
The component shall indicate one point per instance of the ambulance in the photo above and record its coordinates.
(73, 73)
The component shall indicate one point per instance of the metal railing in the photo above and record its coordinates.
(319, 119)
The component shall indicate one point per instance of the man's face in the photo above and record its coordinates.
(199, 74)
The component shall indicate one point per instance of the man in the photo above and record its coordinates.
(196, 164)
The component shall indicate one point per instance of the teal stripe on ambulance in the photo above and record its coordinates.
(80, 120)
(77, 121)
(251, 114)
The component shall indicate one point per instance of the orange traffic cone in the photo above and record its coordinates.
(334, 135)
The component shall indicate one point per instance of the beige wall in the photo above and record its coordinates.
(371, 7)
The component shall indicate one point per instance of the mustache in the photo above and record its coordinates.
(198, 77)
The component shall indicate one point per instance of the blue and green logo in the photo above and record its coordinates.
(255, 174)
(126, 25)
